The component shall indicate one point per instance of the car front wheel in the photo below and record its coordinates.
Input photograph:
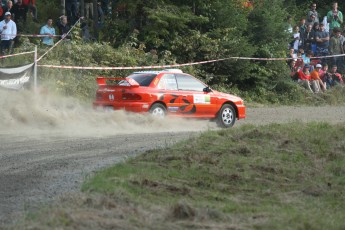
(226, 116)
(158, 110)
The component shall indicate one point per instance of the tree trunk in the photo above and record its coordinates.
(82, 8)
(95, 19)
(62, 7)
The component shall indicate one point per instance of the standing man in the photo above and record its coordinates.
(322, 41)
(313, 11)
(8, 30)
(64, 28)
(48, 30)
(334, 18)
(336, 47)
(308, 38)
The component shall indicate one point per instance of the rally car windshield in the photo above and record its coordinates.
(143, 79)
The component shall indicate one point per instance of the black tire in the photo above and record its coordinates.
(226, 116)
(158, 110)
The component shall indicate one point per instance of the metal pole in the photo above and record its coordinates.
(35, 70)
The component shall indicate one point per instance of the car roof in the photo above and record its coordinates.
(159, 71)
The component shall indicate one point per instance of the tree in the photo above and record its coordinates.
(95, 18)
(62, 6)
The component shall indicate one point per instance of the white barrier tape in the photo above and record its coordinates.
(129, 68)
(174, 65)
(30, 35)
(328, 56)
(12, 55)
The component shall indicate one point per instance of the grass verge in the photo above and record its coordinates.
(288, 176)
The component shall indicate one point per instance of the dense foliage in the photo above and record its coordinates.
(166, 32)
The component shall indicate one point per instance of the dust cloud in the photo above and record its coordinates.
(26, 113)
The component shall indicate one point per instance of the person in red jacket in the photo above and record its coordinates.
(31, 4)
(304, 78)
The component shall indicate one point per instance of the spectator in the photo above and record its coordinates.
(294, 70)
(64, 28)
(311, 20)
(299, 60)
(304, 78)
(322, 41)
(296, 43)
(8, 8)
(336, 46)
(292, 54)
(48, 30)
(71, 10)
(302, 26)
(323, 72)
(313, 11)
(334, 17)
(20, 11)
(308, 38)
(307, 59)
(316, 28)
(88, 9)
(316, 81)
(8, 29)
(332, 78)
(31, 5)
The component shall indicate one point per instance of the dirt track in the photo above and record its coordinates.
(43, 159)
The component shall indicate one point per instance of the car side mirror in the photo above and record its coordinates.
(207, 89)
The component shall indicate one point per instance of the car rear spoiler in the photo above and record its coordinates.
(101, 81)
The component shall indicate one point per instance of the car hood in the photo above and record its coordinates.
(227, 96)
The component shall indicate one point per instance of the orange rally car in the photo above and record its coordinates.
(168, 92)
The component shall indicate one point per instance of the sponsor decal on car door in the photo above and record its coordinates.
(193, 97)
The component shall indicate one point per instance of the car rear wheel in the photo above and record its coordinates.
(158, 110)
(226, 116)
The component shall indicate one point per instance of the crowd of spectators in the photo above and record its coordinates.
(315, 44)
(15, 12)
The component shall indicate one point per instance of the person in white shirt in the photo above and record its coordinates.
(8, 30)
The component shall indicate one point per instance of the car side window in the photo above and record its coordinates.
(186, 82)
(168, 82)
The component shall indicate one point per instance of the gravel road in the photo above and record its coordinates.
(48, 151)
